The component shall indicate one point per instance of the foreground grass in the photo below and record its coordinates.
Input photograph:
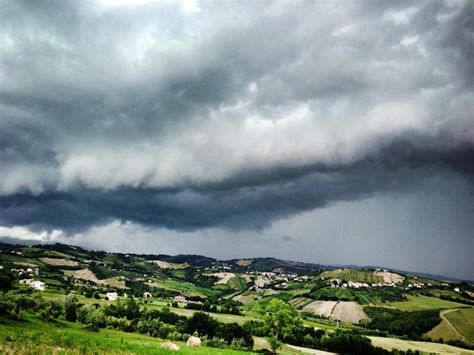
(420, 303)
(463, 321)
(32, 336)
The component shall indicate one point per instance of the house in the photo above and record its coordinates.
(180, 299)
(147, 295)
(38, 285)
(112, 296)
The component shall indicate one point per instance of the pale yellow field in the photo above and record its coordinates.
(167, 265)
(59, 262)
(423, 346)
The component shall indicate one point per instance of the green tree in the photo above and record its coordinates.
(275, 344)
(70, 307)
(281, 319)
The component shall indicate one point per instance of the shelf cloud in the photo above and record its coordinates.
(193, 115)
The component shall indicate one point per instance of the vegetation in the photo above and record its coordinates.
(352, 275)
(421, 302)
(410, 324)
(224, 316)
(463, 321)
(361, 296)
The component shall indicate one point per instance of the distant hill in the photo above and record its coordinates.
(262, 264)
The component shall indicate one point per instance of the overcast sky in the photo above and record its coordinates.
(328, 132)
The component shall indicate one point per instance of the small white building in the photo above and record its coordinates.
(111, 296)
(38, 285)
(147, 295)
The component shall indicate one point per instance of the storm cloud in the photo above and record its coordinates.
(193, 115)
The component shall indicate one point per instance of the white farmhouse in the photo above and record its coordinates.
(112, 296)
(38, 285)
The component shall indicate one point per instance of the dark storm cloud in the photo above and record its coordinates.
(228, 114)
(239, 204)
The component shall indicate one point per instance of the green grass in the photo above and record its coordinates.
(185, 287)
(33, 336)
(463, 321)
(420, 302)
(237, 283)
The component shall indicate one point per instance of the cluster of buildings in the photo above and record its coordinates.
(28, 271)
(416, 285)
(351, 284)
(264, 280)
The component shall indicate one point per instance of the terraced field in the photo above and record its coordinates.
(300, 302)
(352, 275)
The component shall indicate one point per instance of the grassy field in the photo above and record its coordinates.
(185, 287)
(32, 336)
(419, 303)
(422, 346)
(444, 331)
(463, 321)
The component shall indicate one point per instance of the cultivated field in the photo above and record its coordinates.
(422, 346)
(59, 262)
(445, 330)
(167, 265)
(463, 321)
(244, 262)
(390, 277)
(223, 277)
(321, 308)
(349, 312)
(420, 302)
(84, 274)
(352, 275)
(300, 302)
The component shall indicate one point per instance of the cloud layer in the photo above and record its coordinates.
(189, 115)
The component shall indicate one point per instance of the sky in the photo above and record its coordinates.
(334, 132)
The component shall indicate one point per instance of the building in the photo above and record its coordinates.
(38, 285)
(180, 299)
(147, 295)
(112, 296)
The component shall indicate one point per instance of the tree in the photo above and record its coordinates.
(281, 319)
(50, 310)
(275, 344)
(203, 324)
(23, 302)
(70, 307)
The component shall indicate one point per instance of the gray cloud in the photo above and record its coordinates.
(227, 115)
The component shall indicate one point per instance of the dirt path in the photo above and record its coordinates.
(452, 327)
(308, 350)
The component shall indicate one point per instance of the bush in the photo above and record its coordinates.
(118, 323)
